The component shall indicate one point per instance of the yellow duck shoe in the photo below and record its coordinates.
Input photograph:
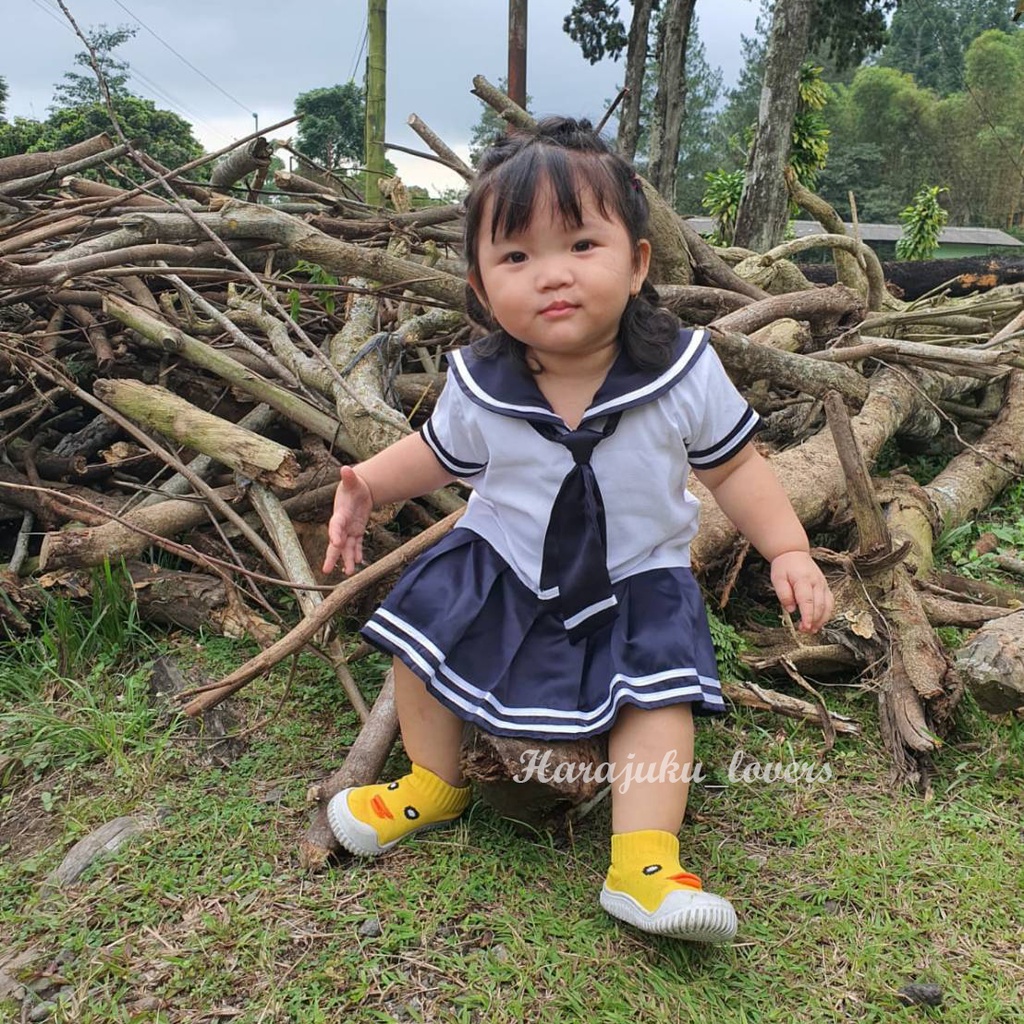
(369, 820)
(647, 888)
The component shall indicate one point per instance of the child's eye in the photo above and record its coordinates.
(583, 245)
(515, 257)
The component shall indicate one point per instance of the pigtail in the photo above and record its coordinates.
(647, 330)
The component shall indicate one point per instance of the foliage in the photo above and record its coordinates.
(82, 90)
(929, 39)
(3, 97)
(922, 222)
(78, 112)
(333, 124)
(729, 645)
(597, 26)
(697, 152)
(850, 31)
(722, 200)
(810, 146)
(808, 154)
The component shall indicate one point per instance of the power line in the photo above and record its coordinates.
(183, 59)
(47, 7)
(361, 49)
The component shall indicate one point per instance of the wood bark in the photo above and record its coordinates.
(244, 451)
(764, 206)
(636, 66)
(129, 538)
(670, 97)
(233, 166)
(992, 664)
(24, 165)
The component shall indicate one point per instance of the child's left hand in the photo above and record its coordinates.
(799, 583)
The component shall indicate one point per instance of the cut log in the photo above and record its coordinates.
(81, 549)
(235, 165)
(992, 664)
(564, 775)
(25, 164)
(153, 406)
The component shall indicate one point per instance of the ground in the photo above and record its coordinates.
(847, 889)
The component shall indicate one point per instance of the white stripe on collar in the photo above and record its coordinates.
(675, 372)
(457, 361)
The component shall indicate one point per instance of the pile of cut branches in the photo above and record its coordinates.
(181, 369)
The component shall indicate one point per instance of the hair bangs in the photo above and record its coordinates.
(516, 184)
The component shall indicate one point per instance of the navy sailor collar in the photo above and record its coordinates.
(506, 387)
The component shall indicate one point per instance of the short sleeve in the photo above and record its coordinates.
(719, 419)
(453, 432)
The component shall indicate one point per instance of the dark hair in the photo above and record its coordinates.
(570, 156)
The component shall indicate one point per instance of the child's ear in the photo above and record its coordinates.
(641, 265)
(478, 288)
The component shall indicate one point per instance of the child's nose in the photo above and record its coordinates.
(554, 273)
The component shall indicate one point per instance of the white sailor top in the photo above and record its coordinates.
(492, 427)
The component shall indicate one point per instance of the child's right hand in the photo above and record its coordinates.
(353, 503)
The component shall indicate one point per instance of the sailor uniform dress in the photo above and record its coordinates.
(565, 590)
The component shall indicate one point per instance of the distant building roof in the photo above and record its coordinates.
(889, 232)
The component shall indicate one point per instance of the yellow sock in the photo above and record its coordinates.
(645, 865)
(394, 809)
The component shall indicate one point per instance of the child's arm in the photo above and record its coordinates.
(404, 470)
(749, 493)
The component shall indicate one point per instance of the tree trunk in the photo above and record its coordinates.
(670, 99)
(636, 66)
(764, 208)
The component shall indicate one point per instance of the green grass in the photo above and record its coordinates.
(846, 889)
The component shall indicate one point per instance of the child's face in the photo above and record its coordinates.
(556, 288)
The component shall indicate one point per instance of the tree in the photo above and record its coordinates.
(78, 90)
(849, 32)
(3, 98)
(597, 27)
(670, 99)
(331, 129)
(886, 134)
(79, 111)
(161, 134)
(697, 151)
(929, 38)
(764, 208)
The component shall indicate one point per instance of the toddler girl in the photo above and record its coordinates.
(562, 605)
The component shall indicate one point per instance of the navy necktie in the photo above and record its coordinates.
(576, 542)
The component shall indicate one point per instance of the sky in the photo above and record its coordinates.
(218, 64)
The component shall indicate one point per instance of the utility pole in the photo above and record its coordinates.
(517, 51)
(376, 96)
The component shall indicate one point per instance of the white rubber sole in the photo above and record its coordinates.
(689, 914)
(359, 838)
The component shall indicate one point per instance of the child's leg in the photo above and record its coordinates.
(369, 820)
(431, 734)
(642, 739)
(652, 751)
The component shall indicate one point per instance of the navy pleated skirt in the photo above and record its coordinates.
(498, 656)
